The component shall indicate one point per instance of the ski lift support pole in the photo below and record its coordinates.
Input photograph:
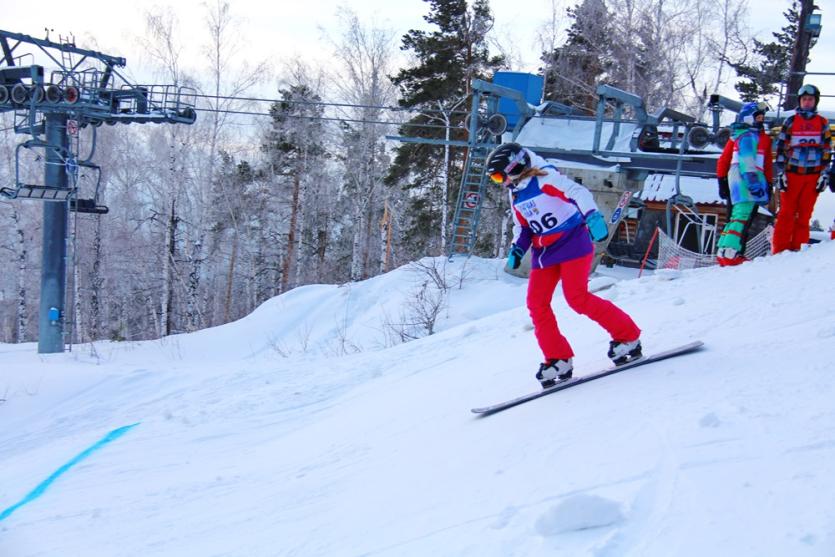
(47, 108)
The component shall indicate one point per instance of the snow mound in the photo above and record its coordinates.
(246, 451)
(579, 512)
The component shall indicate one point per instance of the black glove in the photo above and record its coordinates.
(832, 182)
(780, 182)
(724, 188)
(823, 181)
(757, 192)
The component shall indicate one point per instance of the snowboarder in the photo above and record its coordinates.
(804, 149)
(744, 173)
(554, 216)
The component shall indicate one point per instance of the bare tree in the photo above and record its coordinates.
(227, 82)
(22, 274)
(165, 51)
(428, 298)
(17, 237)
(364, 53)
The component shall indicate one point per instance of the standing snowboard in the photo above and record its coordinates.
(692, 347)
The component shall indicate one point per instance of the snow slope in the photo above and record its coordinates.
(302, 430)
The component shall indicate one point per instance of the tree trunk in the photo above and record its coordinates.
(230, 277)
(385, 238)
(167, 271)
(96, 283)
(800, 54)
(498, 249)
(356, 245)
(22, 271)
(155, 320)
(77, 334)
(194, 314)
(298, 263)
(445, 184)
(322, 248)
(368, 219)
(291, 235)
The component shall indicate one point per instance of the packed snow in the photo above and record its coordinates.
(308, 428)
(572, 134)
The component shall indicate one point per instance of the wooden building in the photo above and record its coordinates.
(695, 223)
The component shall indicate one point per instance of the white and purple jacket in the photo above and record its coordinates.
(548, 216)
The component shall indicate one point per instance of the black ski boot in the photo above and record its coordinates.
(553, 371)
(624, 352)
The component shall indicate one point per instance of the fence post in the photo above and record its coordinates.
(646, 255)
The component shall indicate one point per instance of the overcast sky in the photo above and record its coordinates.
(279, 30)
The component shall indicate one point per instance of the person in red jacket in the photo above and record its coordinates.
(804, 150)
(744, 174)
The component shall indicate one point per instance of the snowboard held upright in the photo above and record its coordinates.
(562, 385)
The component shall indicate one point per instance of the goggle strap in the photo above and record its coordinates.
(517, 158)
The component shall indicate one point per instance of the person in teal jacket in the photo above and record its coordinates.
(744, 173)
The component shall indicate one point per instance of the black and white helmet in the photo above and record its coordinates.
(811, 90)
(506, 162)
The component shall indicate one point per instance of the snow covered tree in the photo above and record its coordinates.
(448, 58)
(166, 52)
(648, 41)
(20, 239)
(296, 150)
(669, 52)
(717, 34)
(572, 70)
(362, 80)
(767, 70)
(229, 78)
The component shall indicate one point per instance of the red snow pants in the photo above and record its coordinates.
(796, 204)
(575, 286)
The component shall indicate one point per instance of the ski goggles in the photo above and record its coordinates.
(499, 177)
(810, 90)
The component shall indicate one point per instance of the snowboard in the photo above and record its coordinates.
(574, 381)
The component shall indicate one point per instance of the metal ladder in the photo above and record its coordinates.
(470, 198)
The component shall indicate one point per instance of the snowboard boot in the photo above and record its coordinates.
(553, 371)
(728, 257)
(623, 352)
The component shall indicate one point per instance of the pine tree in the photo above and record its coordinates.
(572, 70)
(448, 59)
(764, 75)
(295, 146)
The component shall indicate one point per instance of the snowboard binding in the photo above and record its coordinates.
(624, 352)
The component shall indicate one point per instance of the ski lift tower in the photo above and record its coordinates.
(85, 90)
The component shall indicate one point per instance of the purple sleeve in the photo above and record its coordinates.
(523, 239)
(521, 232)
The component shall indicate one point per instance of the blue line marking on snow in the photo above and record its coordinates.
(41, 488)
